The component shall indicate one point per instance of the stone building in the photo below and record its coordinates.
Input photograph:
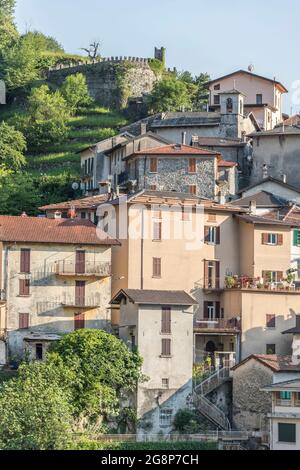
(263, 96)
(160, 325)
(55, 277)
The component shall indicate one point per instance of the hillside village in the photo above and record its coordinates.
(179, 235)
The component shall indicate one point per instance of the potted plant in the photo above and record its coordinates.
(230, 282)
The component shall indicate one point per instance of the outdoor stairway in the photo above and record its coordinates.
(206, 408)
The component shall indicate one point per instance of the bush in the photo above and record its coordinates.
(75, 91)
(86, 444)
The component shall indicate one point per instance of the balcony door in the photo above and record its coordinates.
(80, 293)
(80, 262)
(211, 274)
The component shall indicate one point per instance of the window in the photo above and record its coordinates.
(153, 165)
(212, 311)
(193, 189)
(24, 287)
(23, 321)
(285, 396)
(165, 417)
(271, 321)
(153, 187)
(259, 99)
(166, 320)
(271, 349)
(165, 383)
(80, 293)
(211, 274)
(156, 267)
(157, 231)
(296, 237)
(192, 165)
(25, 261)
(212, 235)
(166, 347)
(287, 433)
(79, 321)
(274, 239)
(216, 99)
(83, 215)
(39, 352)
(272, 276)
(229, 105)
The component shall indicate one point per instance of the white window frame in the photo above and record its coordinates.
(272, 239)
(212, 236)
(165, 417)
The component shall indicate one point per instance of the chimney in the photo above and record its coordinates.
(183, 138)
(222, 198)
(284, 179)
(252, 208)
(143, 129)
(72, 213)
(24, 214)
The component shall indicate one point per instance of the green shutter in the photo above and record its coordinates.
(296, 237)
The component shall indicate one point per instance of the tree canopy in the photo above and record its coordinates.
(169, 94)
(75, 91)
(12, 147)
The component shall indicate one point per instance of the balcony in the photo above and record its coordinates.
(82, 303)
(86, 173)
(251, 283)
(212, 284)
(219, 325)
(70, 268)
(123, 177)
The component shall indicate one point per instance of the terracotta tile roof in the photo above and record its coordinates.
(84, 203)
(155, 297)
(251, 74)
(291, 121)
(224, 164)
(262, 199)
(43, 230)
(176, 149)
(256, 220)
(274, 362)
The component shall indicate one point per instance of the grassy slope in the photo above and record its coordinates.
(87, 127)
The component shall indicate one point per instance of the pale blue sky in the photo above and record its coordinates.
(214, 36)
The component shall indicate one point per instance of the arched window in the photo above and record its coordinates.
(229, 105)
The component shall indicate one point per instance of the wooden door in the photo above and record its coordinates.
(80, 293)
(80, 262)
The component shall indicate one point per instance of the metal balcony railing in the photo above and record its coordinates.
(83, 302)
(70, 268)
(86, 173)
(219, 324)
(212, 283)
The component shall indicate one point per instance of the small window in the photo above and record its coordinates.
(25, 261)
(217, 87)
(272, 239)
(23, 321)
(286, 396)
(157, 231)
(259, 99)
(24, 287)
(156, 267)
(271, 349)
(166, 320)
(39, 352)
(193, 189)
(83, 215)
(153, 187)
(153, 165)
(212, 235)
(229, 105)
(165, 383)
(166, 347)
(271, 321)
(287, 433)
(192, 165)
(165, 417)
(216, 100)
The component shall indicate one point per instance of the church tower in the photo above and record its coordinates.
(232, 114)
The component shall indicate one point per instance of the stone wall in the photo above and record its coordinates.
(250, 405)
(111, 81)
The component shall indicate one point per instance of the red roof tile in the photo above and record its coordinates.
(42, 230)
(176, 149)
(84, 203)
(224, 163)
(274, 362)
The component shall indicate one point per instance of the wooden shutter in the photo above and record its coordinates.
(156, 267)
(80, 262)
(166, 320)
(157, 230)
(296, 237)
(80, 293)
(192, 165)
(206, 274)
(218, 310)
(79, 321)
(193, 189)
(25, 261)
(206, 234)
(280, 239)
(23, 321)
(264, 238)
(24, 287)
(166, 347)
(153, 165)
(218, 235)
(153, 187)
(205, 310)
(217, 264)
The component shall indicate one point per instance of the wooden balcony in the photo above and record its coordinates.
(71, 269)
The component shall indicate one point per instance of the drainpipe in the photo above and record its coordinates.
(142, 250)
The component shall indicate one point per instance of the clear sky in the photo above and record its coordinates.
(214, 36)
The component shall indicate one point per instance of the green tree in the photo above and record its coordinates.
(35, 408)
(75, 91)
(46, 119)
(201, 97)
(169, 94)
(42, 43)
(8, 31)
(12, 147)
(18, 193)
(104, 368)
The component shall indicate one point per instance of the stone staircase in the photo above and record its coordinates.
(206, 407)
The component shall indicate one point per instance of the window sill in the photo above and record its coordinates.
(156, 277)
(24, 296)
(165, 357)
(165, 334)
(156, 241)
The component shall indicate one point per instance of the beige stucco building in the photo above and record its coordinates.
(160, 325)
(55, 277)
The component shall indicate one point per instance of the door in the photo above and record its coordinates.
(79, 321)
(80, 293)
(80, 262)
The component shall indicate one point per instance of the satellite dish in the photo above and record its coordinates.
(251, 68)
(75, 186)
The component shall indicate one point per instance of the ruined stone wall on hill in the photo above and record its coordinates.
(112, 81)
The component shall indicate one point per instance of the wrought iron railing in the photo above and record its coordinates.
(87, 268)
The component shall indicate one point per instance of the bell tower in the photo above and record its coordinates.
(232, 114)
